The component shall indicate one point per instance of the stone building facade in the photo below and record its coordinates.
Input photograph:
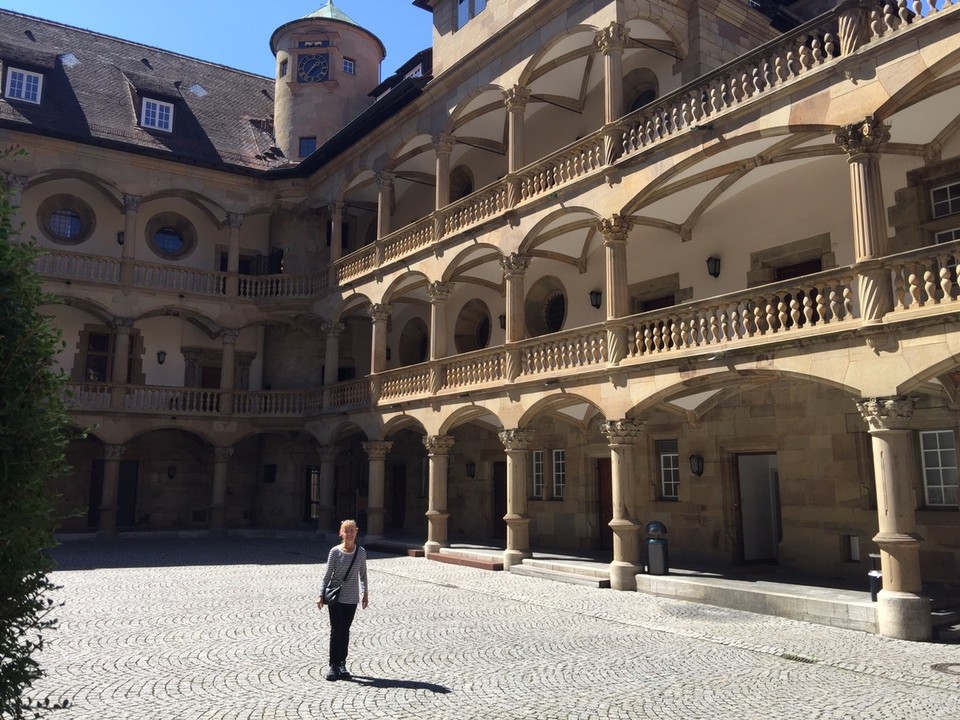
(578, 267)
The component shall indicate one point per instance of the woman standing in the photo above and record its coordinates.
(348, 563)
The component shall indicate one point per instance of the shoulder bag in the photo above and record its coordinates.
(331, 593)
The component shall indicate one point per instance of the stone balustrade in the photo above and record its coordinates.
(179, 279)
(76, 266)
(926, 278)
(278, 286)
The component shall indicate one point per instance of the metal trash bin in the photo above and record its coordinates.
(875, 576)
(658, 558)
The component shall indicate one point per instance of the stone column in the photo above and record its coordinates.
(111, 486)
(16, 184)
(514, 267)
(234, 221)
(862, 142)
(228, 365)
(120, 374)
(384, 202)
(902, 611)
(438, 452)
(218, 505)
(377, 453)
(515, 99)
(517, 444)
(622, 435)
(131, 209)
(379, 313)
(439, 294)
(611, 41)
(443, 146)
(615, 231)
(327, 502)
(335, 209)
(331, 355)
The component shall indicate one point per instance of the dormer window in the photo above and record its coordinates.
(157, 115)
(24, 85)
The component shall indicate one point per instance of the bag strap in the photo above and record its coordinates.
(356, 551)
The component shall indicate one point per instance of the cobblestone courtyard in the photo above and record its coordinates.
(202, 628)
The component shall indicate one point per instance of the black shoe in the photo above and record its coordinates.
(342, 672)
(332, 673)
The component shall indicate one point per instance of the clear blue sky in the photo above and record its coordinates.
(235, 33)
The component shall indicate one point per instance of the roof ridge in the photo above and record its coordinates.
(4, 11)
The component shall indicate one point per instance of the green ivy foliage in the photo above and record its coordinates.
(34, 430)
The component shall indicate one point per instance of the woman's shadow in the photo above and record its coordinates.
(392, 683)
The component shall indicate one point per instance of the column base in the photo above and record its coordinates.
(430, 547)
(623, 575)
(904, 615)
(514, 557)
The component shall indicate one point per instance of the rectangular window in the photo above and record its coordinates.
(939, 458)
(24, 85)
(945, 200)
(349, 66)
(307, 146)
(538, 473)
(945, 236)
(312, 505)
(468, 9)
(668, 468)
(559, 472)
(157, 115)
(284, 66)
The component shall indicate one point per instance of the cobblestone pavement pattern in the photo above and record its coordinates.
(227, 629)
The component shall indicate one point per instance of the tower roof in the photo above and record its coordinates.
(329, 12)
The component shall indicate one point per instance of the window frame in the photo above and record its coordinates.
(952, 200)
(305, 143)
(349, 66)
(538, 458)
(939, 451)
(461, 17)
(558, 468)
(668, 488)
(158, 106)
(26, 76)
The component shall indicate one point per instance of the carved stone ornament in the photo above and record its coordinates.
(622, 432)
(514, 264)
(615, 229)
(439, 291)
(438, 444)
(612, 38)
(859, 138)
(377, 449)
(517, 438)
(516, 98)
(332, 329)
(379, 312)
(890, 413)
(222, 454)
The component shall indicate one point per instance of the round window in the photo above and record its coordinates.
(171, 235)
(545, 309)
(65, 219)
(472, 331)
(168, 241)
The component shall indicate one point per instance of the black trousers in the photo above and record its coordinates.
(341, 618)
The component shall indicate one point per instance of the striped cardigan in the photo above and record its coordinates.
(337, 563)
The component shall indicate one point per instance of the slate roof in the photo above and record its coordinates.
(222, 117)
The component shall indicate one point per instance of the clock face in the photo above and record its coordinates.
(312, 68)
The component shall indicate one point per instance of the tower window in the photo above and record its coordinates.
(284, 68)
(349, 66)
(307, 146)
(468, 9)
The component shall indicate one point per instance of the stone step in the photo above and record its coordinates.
(560, 576)
(474, 561)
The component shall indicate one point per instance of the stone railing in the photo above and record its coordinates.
(75, 266)
(476, 368)
(408, 240)
(179, 279)
(271, 403)
(486, 203)
(89, 396)
(926, 278)
(278, 286)
(571, 163)
(583, 348)
(187, 401)
(413, 380)
(345, 395)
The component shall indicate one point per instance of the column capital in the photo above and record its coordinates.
(113, 452)
(328, 453)
(438, 444)
(229, 336)
(336, 208)
(377, 449)
(514, 264)
(615, 229)
(332, 329)
(612, 38)
(517, 438)
(122, 325)
(380, 312)
(222, 454)
(17, 182)
(622, 432)
(864, 137)
(516, 98)
(384, 178)
(439, 291)
(443, 143)
(131, 202)
(234, 220)
(887, 413)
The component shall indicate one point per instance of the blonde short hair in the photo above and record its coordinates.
(347, 523)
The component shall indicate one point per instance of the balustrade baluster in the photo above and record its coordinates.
(783, 316)
(808, 308)
(930, 287)
(915, 292)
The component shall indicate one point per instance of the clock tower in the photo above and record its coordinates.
(326, 66)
